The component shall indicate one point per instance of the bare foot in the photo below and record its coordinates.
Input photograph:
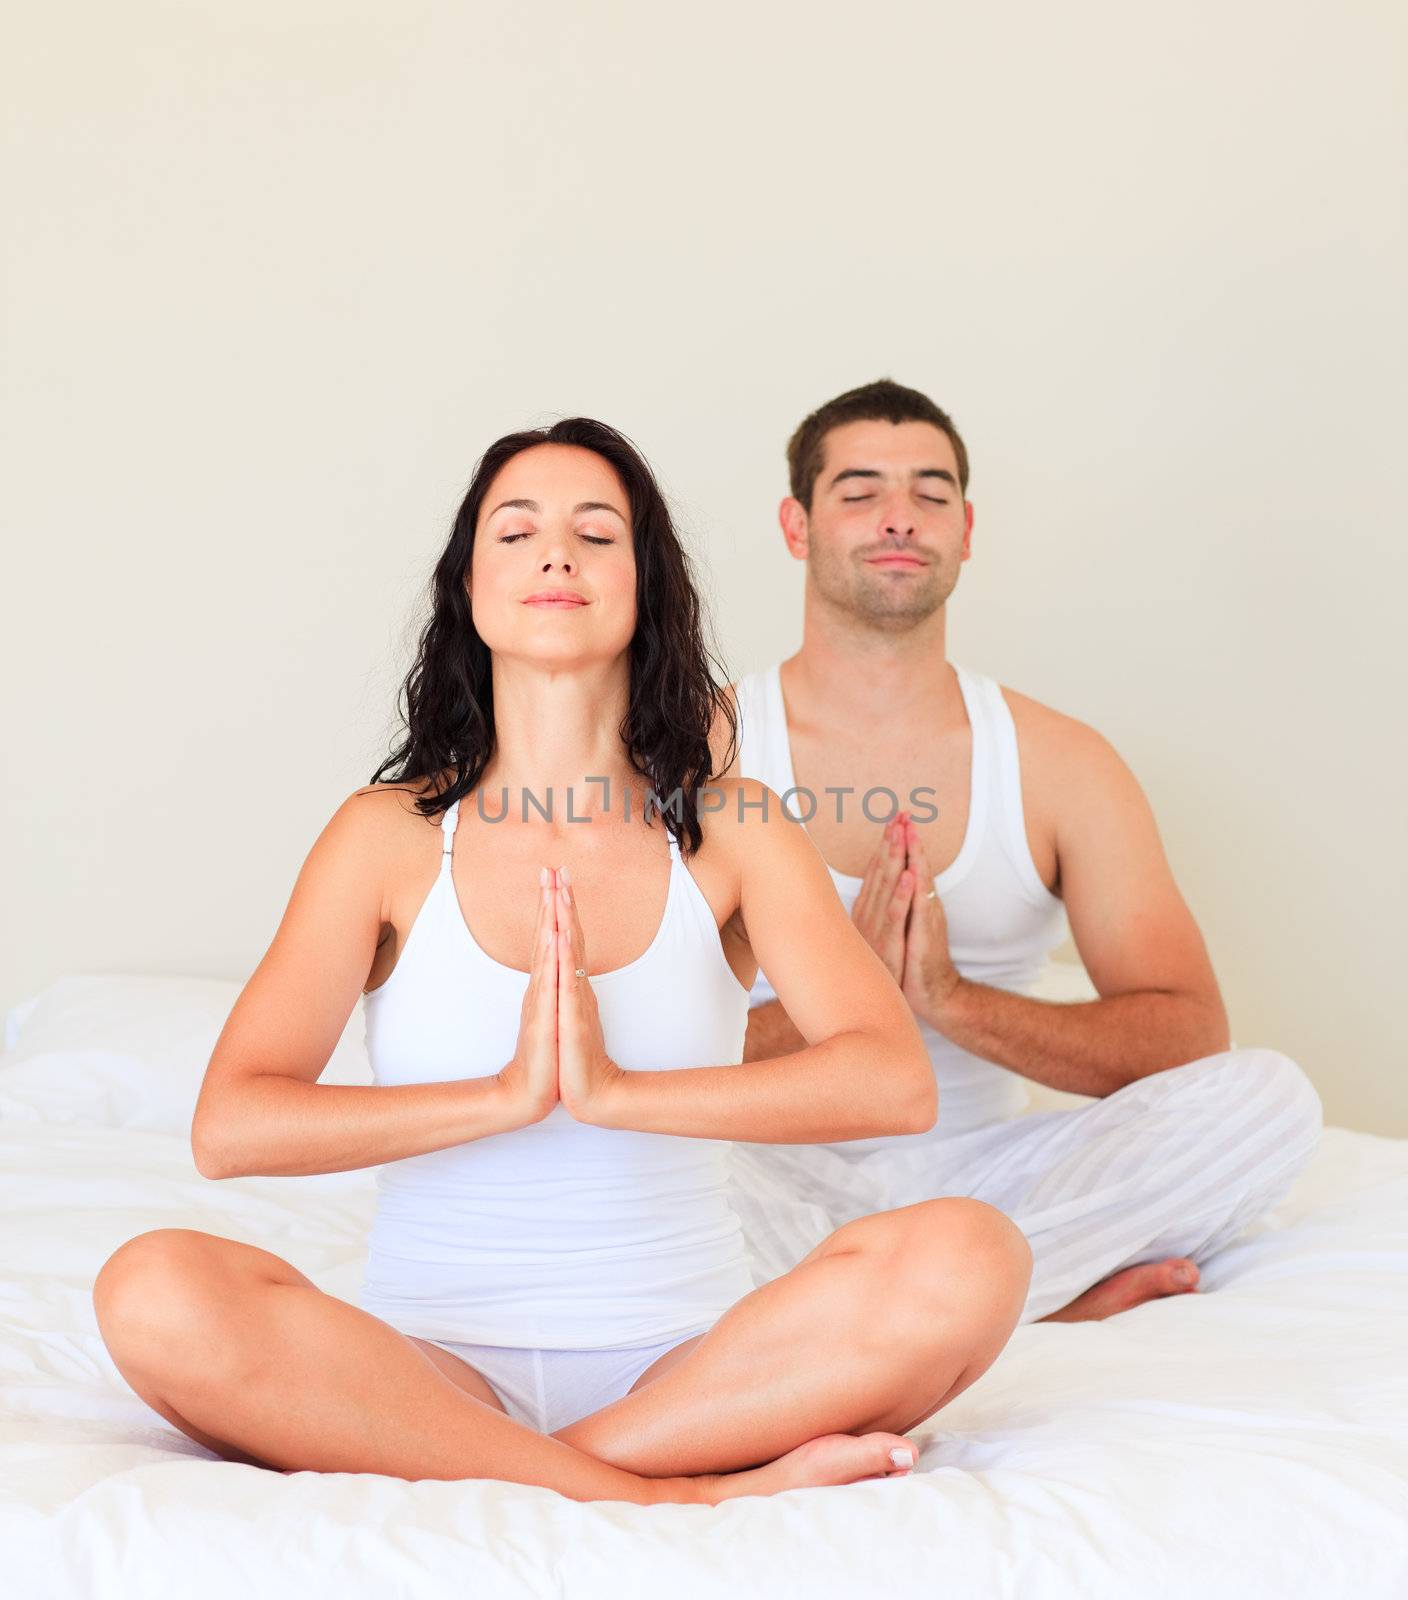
(829, 1459)
(1131, 1286)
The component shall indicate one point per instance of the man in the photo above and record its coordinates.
(1014, 823)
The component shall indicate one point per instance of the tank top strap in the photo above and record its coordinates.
(763, 750)
(1005, 776)
(986, 773)
(448, 823)
(1011, 822)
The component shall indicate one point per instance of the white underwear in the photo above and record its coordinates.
(549, 1389)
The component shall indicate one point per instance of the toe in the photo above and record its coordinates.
(1183, 1274)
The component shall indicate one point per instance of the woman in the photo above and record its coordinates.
(557, 1290)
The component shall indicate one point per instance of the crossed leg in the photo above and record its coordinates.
(889, 1318)
(244, 1353)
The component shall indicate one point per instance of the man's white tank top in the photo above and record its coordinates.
(558, 1235)
(1002, 919)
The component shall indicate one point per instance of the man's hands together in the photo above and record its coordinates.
(906, 928)
(561, 1055)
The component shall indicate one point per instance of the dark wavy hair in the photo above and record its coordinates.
(447, 702)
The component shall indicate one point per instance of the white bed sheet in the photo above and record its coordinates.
(1245, 1441)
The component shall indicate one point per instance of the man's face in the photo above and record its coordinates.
(888, 528)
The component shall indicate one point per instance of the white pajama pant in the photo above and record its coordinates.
(1177, 1163)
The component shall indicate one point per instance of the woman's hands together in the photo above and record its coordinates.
(561, 1055)
(584, 1070)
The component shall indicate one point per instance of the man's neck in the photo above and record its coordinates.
(866, 678)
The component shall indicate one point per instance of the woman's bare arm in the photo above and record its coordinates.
(261, 1110)
(862, 1071)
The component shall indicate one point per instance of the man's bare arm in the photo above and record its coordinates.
(771, 1032)
(1160, 1005)
(1088, 1047)
(1049, 1038)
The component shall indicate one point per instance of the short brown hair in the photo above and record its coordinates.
(882, 401)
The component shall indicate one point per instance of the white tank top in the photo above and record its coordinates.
(1002, 919)
(558, 1235)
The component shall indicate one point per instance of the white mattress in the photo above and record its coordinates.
(1249, 1440)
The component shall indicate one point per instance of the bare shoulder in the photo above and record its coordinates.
(1059, 753)
(720, 813)
(379, 828)
(744, 814)
(389, 808)
(757, 838)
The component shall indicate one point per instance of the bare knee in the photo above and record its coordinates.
(952, 1254)
(973, 1229)
(158, 1299)
(949, 1222)
(152, 1258)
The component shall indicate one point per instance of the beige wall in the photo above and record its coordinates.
(277, 272)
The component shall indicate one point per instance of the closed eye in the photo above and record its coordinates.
(933, 499)
(509, 538)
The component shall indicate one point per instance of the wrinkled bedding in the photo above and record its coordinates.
(1247, 1440)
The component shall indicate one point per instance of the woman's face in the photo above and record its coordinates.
(555, 519)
